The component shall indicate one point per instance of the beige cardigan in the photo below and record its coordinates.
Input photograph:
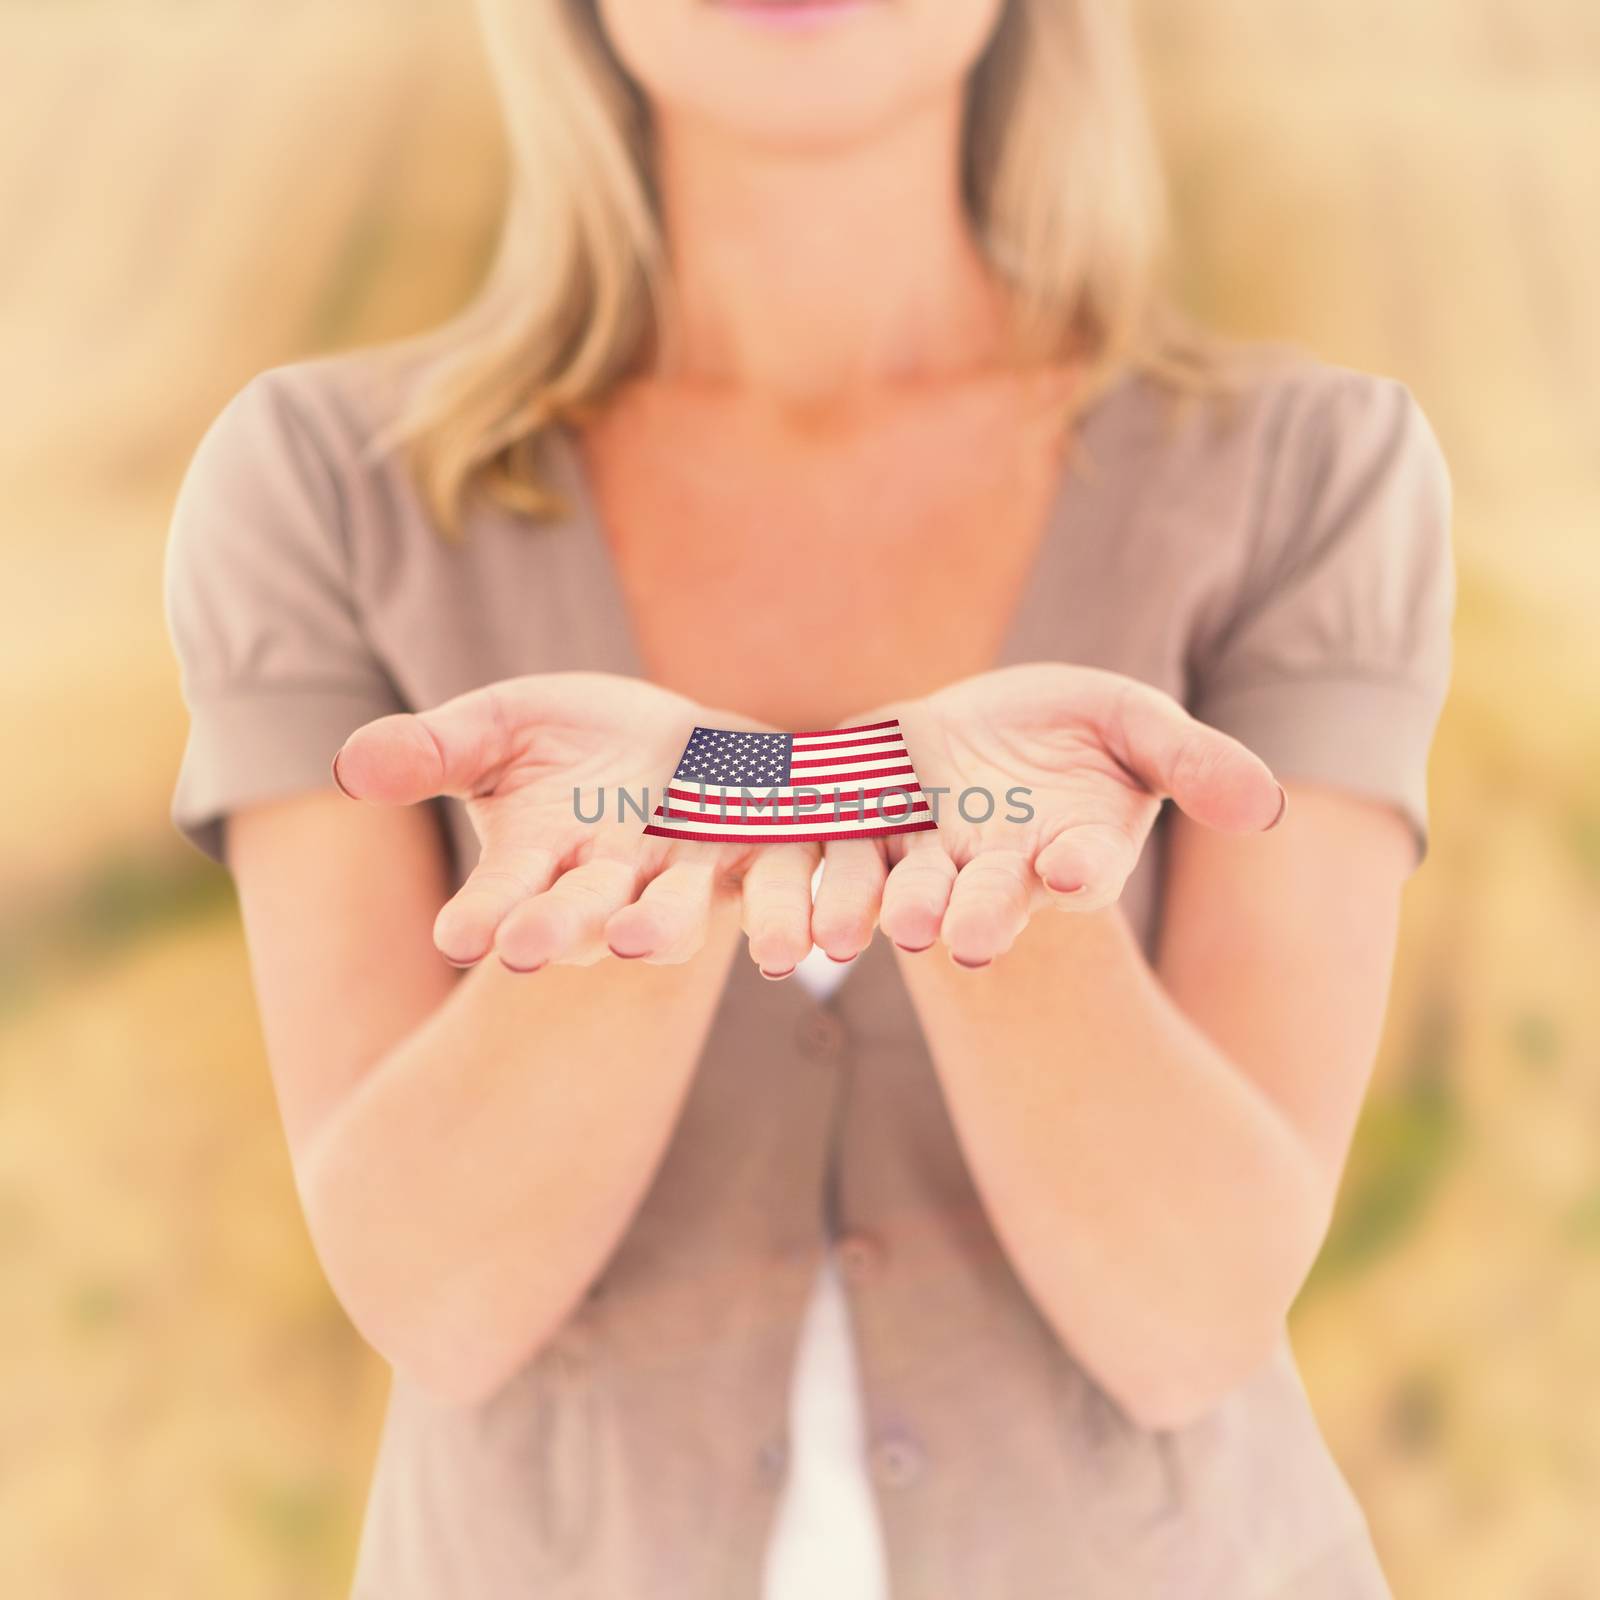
(1285, 571)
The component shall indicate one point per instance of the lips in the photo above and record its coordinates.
(793, 12)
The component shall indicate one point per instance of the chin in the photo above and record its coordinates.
(797, 73)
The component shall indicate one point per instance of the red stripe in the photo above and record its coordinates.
(793, 838)
(851, 744)
(828, 733)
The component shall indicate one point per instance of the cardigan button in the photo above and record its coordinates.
(898, 1460)
(860, 1257)
(820, 1035)
(772, 1461)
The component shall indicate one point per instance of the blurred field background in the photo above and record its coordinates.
(191, 190)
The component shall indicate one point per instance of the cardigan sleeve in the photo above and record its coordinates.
(274, 665)
(1334, 663)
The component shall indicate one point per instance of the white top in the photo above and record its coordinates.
(825, 1538)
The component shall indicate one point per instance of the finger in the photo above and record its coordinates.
(566, 922)
(848, 897)
(667, 923)
(464, 930)
(1085, 867)
(777, 907)
(988, 907)
(458, 748)
(915, 895)
(1209, 775)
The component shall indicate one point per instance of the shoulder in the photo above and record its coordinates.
(299, 457)
(1258, 411)
(1334, 449)
(1319, 423)
(1269, 451)
(337, 407)
(1340, 524)
(1325, 644)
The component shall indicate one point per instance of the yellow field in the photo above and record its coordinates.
(190, 192)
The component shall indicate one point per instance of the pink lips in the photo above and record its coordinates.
(791, 13)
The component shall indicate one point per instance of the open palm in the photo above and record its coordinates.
(548, 885)
(1054, 776)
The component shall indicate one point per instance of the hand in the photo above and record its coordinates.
(1097, 752)
(549, 887)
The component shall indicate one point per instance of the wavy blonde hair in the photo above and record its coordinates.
(1060, 176)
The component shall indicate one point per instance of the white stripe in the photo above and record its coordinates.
(809, 741)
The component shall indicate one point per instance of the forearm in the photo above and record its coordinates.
(465, 1194)
(1159, 1208)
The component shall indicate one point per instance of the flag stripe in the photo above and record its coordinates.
(845, 830)
(861, 759)
(898, 800)
(824, 776)
(892, 813)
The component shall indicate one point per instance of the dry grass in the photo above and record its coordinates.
(192, 192)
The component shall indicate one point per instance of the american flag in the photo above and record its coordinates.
(761, 788)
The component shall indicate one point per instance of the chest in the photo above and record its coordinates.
(804, 582)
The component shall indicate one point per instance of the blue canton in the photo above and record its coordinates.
(735, 760)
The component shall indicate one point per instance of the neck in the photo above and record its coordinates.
(805, 276)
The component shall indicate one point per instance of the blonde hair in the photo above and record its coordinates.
(1060, 176)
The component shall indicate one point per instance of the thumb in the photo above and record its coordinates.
(1209, 775)
(458, 749)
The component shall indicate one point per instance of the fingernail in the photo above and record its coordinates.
(338, 782)
(774, 976)
(1064, 888)
(971, 966)
(454, 963)
(1283, 806)
(842, 961)
(915, 949)
(626, 955)
(521, 971)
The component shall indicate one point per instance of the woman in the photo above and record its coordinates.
(821, 382)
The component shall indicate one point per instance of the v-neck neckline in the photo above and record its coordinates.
(1062, 515)
(1035, 612)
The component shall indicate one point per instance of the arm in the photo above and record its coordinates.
(468, 1148)
(1159, 1147)
(1159, 1143)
